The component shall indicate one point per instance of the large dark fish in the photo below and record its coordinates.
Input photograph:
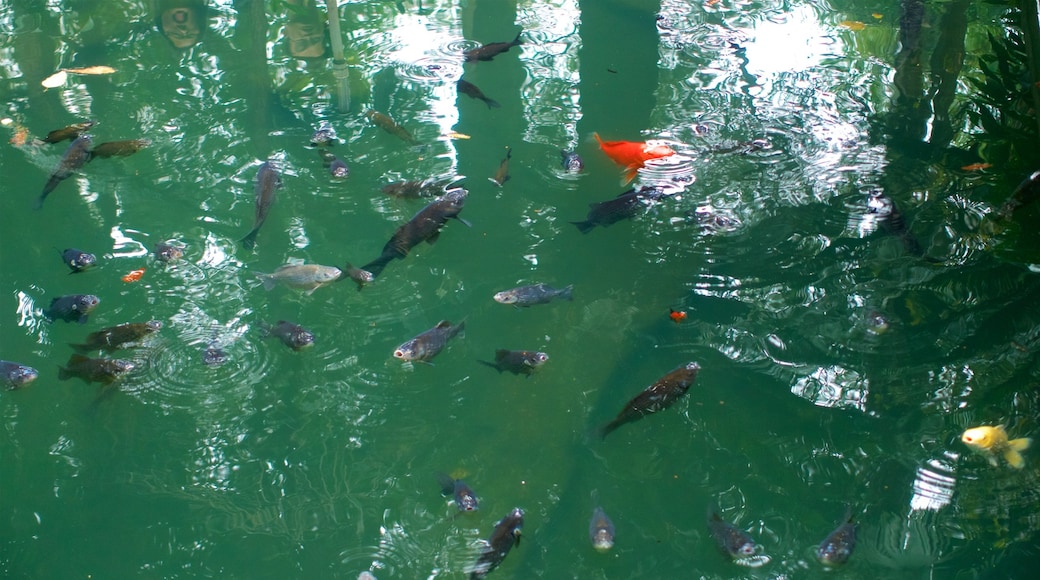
(94, 370)
(517, 361)
(71, 132)
(292, 335)
(425, 226)
(117, 337)
(505, 535)
(78, 260)
(75, 157)
(428, 344)
(390, 126)
(624, 206)
(1026, 192)
(571, 161)
(657, 397)
(16, 376)
(473, 91)
(733, 541)
(534, 294)
(267, 183)
(118, 148)
(601, 530)
(502, 173)
(72, 307)
(836, 548)
(882, 206)
(463, 496)
(490, 51)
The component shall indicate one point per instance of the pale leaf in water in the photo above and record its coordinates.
(91, 70)
(55, 80)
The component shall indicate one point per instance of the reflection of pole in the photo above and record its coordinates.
(339, 63)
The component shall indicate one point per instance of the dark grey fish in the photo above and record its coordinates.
(72, 307)
(471, 90)
(165, 252)
(118, 148)
(517, 361)
(733, 541)
(75, 157)
(1027, 192)
(533, 294)
(267, 183)
(117, 337)
(505, 535)
(16, 376)
(624, 206)
(70, 132)
(324, 135)
(882, 206)
(292, 335)
(416, 188)
(657, 397)
(490, 51)
(601, 530)
(337, 167)
(836, 548)
(425, 226)
(214, 355)
(572, 162)
(502, 173)
(78, 260)
(463, 496)
(429, 344)
(390, 126)
(94, 370)
(359, 276)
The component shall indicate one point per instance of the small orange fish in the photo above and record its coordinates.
(632, 154)
(676, 315)
(977, 166)
(134, 276)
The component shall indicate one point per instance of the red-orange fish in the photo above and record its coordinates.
(632, 154)
(134, 275)
(676, 315)
(977, 166)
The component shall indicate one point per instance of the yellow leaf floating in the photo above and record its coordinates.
(55, 80)
(454, 135)
(91, 70)
(878, 15)
(853, 25)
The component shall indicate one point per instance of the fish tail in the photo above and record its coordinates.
(585, 226)
(517, 41)
(375, 267)
(80, 347)
(64, 374)
(596, 135)
(1014, 458)
(568, 292)
(491, 103)
(1020, 444)
(606, 429)
(249, 242)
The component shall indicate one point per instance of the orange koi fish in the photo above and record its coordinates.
(134, 276)
(676, 315)
(632, 154)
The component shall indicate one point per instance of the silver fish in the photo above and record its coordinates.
(306, 277)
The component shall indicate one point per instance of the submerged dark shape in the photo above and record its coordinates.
(517, 361)
(505, 535)
(337, 167)
(571, 161)
(1027, 192)
(78, 260)
(324, 135)
(15, 376)
(268, 181)
(291, 334)
(117, 337)
(534, 294)
(836, 548)
(624, 206)
(75, 157)
(461, 493)
(390, 126)
(118, 148)
(94, 370)
(429, 344)
(70, 132)
(601, 530)
(72, 307)
(502, 173)
(359, 276)
(425, 226)
(473, 91)
(657, 397)
(490, 51)
(413, 189)
(166, 252)
(214, 354)
(733, 541)
(893, 221)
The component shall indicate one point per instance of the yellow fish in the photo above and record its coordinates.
(993, 441)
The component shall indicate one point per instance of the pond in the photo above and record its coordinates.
(826, 232)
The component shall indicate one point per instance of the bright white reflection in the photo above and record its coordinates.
(790, 42)
(550, 92)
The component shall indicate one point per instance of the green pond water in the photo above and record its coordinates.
(841, 358)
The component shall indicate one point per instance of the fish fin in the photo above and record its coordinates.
(630, 175)
(433, 237)
(1020, 444)
(269, 284)
(77, 358)
(83, 319)
(585, 226)
(249, 242)
(517, 40)
(461, 327)
(1014, 458)
(80, 347)
(600, 141)
(443, 324)
(568, 292)
(606, 429)
(501, 352)
(447, 483)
